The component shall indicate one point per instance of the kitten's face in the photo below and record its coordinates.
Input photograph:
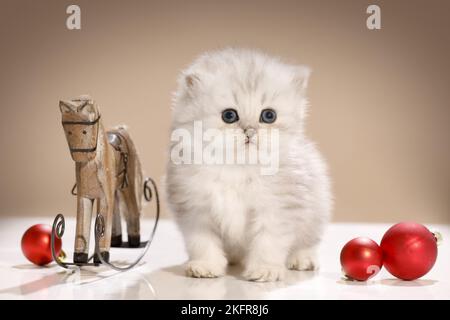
(244, 95)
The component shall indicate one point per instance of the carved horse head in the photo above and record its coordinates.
(81, 121)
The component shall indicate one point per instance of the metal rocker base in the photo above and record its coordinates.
(59, 226)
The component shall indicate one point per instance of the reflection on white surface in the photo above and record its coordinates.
(161, 275)
(171, 283)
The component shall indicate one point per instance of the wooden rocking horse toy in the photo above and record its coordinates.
(108, 173)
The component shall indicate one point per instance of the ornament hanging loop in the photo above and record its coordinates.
(438, 236)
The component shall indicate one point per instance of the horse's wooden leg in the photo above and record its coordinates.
(132, 216)
(106, 208)
(116, 238)
(84, 214)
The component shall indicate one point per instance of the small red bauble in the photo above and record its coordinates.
(409, 250)
(361, 259)
(36, 244)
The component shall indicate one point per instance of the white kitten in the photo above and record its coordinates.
(233, 213)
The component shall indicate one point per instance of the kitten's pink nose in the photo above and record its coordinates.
(250, 132)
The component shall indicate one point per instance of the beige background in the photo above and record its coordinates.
(380, 99)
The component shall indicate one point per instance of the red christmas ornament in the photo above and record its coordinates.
(361, 259)
(409, 250)
(36, 244)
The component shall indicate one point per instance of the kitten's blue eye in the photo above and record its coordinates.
(230, 116)
(268, 116)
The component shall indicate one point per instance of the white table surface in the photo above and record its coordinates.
(161, 275)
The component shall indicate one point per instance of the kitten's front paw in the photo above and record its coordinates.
(204, 269)
(264, 273)
(303, 261)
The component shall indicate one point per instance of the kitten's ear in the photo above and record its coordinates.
(65, 106)
(191, 80)
(301, 77)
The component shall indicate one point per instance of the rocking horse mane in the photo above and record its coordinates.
(134, 167)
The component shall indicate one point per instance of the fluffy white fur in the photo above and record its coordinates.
(231, 213)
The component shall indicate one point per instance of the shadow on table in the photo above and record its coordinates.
(403, 283)
(388, 282)
(172, 283)
(34, 286)
(29, 266)
(57, 284)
